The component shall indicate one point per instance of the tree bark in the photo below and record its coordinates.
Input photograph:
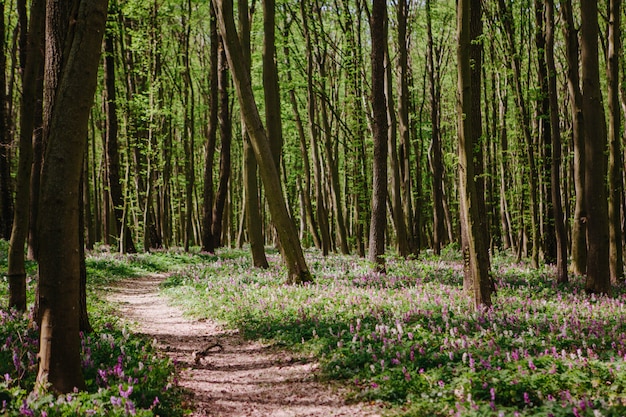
(616, 180)
(72, 57)
(208, 240)
(545, 136)
(404, 128)
(598, 277)
(379, 132)
(514, 64)
(435, 153)
(112, 149)
(31, 86)
(226, 134)
(579, 229)
(290, 244)
(476, 250)
(321, 211)
(555, 166)
(6, 192)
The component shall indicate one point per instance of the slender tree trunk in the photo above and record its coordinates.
(254, 220)
(514, 63)
(435, 152)
(321, 211)
(379, 133)
(598, 278)
(208, 240)
(72, 57)
(545, 136)
(579, 229)
(404, 128)
(6, 193)
(555, 166)
(189, 102)
(394, 192)
(31, 84)
(226, 138)
(112, 149)
(616, 180)
(305, 189)
(475, 253)
(290, 244)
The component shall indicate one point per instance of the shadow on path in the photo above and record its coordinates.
(236, 378)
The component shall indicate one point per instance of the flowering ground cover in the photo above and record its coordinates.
(409, 340)
(124, 373)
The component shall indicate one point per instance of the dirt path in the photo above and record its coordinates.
(235, 377)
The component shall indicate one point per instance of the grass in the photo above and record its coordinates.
(410, 341)
(407, 340)
(124, 373)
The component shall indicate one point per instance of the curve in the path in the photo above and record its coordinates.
(235, 377)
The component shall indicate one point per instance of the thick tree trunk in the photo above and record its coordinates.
(476, 249)
(555, 169)
(290, 244)
(31, 85)
(72, 57)
(379, 132)
(598, 278)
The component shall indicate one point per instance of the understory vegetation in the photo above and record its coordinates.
(406, 340)
(124, 373)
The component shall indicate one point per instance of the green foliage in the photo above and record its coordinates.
(124, 373)
(410, 339)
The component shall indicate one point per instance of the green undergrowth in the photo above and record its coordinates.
(124, 373)
(409, 340)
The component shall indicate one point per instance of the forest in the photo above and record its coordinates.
(456, 167)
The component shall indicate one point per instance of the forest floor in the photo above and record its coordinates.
(233, 377)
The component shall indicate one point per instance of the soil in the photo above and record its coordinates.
(225, 374)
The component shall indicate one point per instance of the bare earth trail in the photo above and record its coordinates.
(235, 377)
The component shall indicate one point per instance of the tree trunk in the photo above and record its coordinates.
(598, 278)
(545, 136)
(555, 168)
(254, 219)
(290, 244)
(579, 229)
(435, 153)
(321, 211)
(395, 196)
(208, 240)
(6, 193)
(404, 129)
(305, 189)
(475, 252)
(31, 86)
(616, 261)
(72, 57)
(226, 134)
(112, 149)
(514, 63)
(379, 134)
